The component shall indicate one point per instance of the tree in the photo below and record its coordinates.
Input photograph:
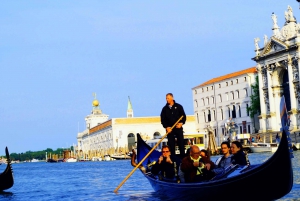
(254, 107)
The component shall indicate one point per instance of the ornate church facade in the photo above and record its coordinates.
(277, 64)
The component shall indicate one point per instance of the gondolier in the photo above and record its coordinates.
(170, 113)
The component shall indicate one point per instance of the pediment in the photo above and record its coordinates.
(274, 45)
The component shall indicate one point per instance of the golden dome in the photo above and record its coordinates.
(95, 103)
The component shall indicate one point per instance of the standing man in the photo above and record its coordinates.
(170, 113)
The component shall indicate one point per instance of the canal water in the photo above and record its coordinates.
(97, 181)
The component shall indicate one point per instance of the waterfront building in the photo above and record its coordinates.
(119, 135)
(223, 99)
(277, 63)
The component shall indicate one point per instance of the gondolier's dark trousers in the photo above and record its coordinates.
(176, 133)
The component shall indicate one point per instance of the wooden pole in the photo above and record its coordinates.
(116, 190)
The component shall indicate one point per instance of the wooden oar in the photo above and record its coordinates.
(116, 190)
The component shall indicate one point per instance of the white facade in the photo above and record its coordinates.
(120, 134)
(278, 71)
(113, 135)
(222, 98)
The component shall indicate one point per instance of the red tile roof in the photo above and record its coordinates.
(228, 76)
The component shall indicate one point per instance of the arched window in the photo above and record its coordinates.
(228, 112)
(197, 118)
(220, 98)
(195, 91)
(246, 93)
(227, 96)
(237, 94)
(207, 100)
(203, 102)
(214, 115)
(196, 103)
(240, 112)
(213, 100)
(156, 135)
(204, 117)
(232, 95)
(219, 85)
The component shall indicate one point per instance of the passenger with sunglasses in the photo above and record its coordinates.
(167, 165)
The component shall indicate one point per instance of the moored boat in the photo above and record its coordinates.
(263, 147)
(6, 177)
(70, 160)
(275, 176)
(120, 156)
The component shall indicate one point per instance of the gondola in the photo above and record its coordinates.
(270, 180)
(7, 177)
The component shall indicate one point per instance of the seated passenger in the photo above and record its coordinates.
(195, 167)
(238, 155)
(167, 165)
(225, 160)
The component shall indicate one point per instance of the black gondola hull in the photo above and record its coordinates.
(270, 180)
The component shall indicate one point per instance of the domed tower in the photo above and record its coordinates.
(96, 117)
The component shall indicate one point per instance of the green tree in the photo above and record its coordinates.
(254, 107)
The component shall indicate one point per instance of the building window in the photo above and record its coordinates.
(249, 130)
(203, 102)
(209, 116)
(240, 112)
(233, 112)
(214, 115)
(232, 94)
(219, 85)
(195, 91)
(245, 79)
(237, 94)
(198, 118)
(227, 96)
(247, 106)
(231, 82)
(204, 117)
(226, 83)
(196, 103)
(241, 129)
(202, 89)
(206, 88)
(215, 132)
(207, 100)
(246, 93)
(223, 131)
(229, 112)
(213, 100)
(212, 87)
(237, 81)
(222, 117)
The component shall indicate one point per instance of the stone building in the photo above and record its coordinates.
(118, 135)
(222, 99)
(277, 63)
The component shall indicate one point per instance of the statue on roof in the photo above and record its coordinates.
(265, 40)
(256, 40)
(274, 18)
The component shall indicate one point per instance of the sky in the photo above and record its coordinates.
(55, 54)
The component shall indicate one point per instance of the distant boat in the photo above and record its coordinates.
(106, 158)
(70, 160)
(120, 156)
(263, 147)
(50, 160)
(6, 177)
(35, 160)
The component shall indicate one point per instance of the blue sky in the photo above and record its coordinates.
(55, 54)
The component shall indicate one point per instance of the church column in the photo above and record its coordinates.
(262, 117)
(272, 101)
(293, 70)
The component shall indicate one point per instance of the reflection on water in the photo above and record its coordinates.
(97, 181)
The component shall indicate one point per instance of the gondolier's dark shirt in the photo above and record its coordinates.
(169, 115)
